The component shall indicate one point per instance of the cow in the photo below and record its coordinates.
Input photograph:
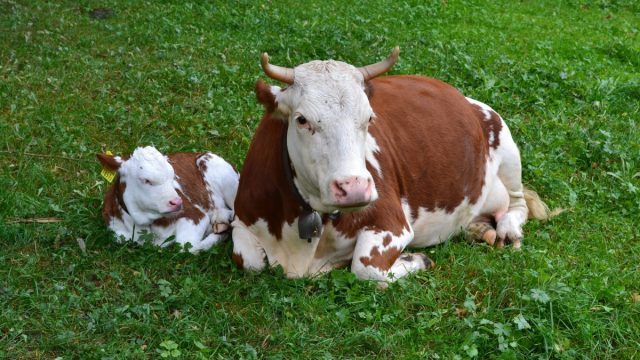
(346, 167)
(186, 198)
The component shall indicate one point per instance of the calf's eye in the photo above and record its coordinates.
(301, 120)
(147, 182)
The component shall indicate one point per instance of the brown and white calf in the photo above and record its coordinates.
(386, 163)
(186, 195)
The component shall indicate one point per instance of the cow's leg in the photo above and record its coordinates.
(192, 232)
(378, 256)
(496, 205)
(247, 252)
(221, 220)
(509, 225)
(206, 243)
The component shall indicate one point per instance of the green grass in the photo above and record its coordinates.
(564, 74)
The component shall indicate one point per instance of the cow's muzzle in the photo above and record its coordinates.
(352, 192)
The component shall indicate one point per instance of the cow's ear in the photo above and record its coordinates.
(109, 161)
(266, 96)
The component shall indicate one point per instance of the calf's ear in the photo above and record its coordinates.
(109, 161)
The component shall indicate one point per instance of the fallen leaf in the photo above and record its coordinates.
(461, 312)
(46, 220)
(82, 245)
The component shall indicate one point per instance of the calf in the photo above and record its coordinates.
(186, 195)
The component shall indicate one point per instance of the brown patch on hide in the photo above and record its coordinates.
(238, 260)
(432, 148)
(194, 189)
(264, 192)
(385, 214)
(381, 260)
(112, 207)
(491, 126)
(166, 221)
(202, 163)
(386, 240)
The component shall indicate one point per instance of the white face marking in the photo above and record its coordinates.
(328, 114)
(150, 185)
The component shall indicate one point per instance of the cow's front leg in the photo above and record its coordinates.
(247, 252)
(378, 256)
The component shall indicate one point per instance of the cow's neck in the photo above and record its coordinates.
(309, 221)
(119, 196)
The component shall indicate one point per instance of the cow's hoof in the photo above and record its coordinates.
(516, 242)
(481, 232)
(219, 228)
(421, 260)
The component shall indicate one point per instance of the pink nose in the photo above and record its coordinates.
(352, 191)
(176, 203)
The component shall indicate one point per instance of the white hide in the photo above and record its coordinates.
(257, 246)
(332, 146)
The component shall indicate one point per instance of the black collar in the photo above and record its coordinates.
(288, 174)
(309, 221)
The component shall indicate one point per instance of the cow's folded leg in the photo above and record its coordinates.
(378, 256)
(509, 226)
(206, 243)
(247, 252)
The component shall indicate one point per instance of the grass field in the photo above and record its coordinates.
(565, 75)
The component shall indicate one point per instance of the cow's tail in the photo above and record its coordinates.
(537, 208)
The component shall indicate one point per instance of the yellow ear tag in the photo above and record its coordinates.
(108, 174)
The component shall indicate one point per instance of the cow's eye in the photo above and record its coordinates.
(301, 120)
(370, 119)
(147, 182)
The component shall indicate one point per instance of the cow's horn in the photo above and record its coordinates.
(373, 70)
(276, 72)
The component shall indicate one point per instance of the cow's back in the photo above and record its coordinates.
(432, 145)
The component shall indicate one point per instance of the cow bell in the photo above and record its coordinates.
(309, 225)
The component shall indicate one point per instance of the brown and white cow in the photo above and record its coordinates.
(186, 195)
(387, 163)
